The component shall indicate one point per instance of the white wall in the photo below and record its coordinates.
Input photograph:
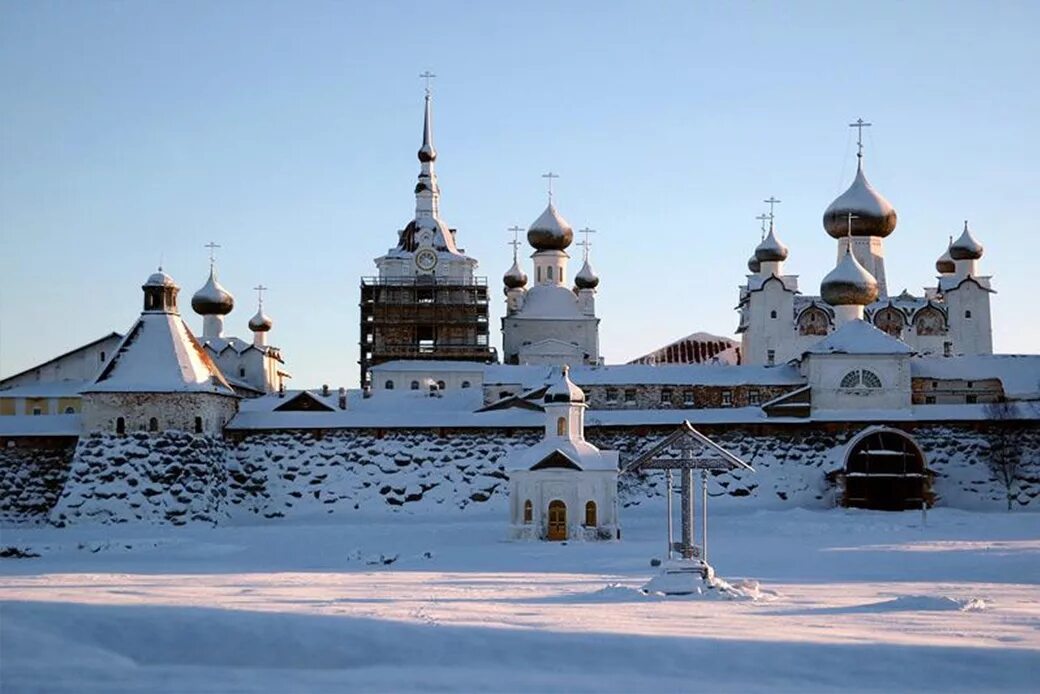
(826, 371)
(574, 488)
(81, 365)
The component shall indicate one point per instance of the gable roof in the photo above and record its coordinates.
(858, 337)
(304, 401)
(109, 336)
(160, 355)
(668, 454)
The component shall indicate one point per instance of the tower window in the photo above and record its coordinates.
(561, 426)
(549, 272)
(101, 357)
(441, 385)
(967, 314)
(153, 424)
(770, 356)
(772, 314)
(666, 396)
(754, 398)
(630, 396)
(120, 425)
(241, 372)
(611, 394)
(37, 411)
(198, 425)
(70, 410)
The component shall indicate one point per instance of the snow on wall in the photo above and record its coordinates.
(170, 477)
(177, 477)
(32, 475)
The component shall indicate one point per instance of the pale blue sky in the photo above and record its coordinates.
(287, 133)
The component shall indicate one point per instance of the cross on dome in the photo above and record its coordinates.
(586, 244)
(212, 246)
(260, 289)
(550, 176)
(859, 125)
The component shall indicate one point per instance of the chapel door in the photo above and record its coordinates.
(557, 521)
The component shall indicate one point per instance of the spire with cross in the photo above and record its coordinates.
(859, 125)
(550, 176)
(586, 244)
(515, 243)
(260, 289)
(762, 219)
(427, 77)
(212, 246)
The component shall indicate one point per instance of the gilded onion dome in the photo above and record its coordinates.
(945, 265)
(966, 247)
(849, 284)
(212, 299)
(550, 232)
(514, 277)
(586, 277)
(563, 389)
(260, 322)
(771, 250)
(872, 214)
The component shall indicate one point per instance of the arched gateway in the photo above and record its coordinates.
(885, 470)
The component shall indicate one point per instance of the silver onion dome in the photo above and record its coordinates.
(945, 265)
(849, 284)
(586, 277)
(514, 277)
(212, 299)
(771, 250)
(872, 214)
(260, 322)
(753, 265)
(159, 279)
(966, 247)
(550, 232)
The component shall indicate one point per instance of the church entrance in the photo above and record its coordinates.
(557, 521)
(885, 471)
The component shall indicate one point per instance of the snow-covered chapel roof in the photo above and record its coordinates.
(859, 337)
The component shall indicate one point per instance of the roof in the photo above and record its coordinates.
(582, 453)
(41, 425)
(160, 355)
(549, 302)
(48, 389)
(109, 336)
(426, 365)
(859, 337)
(1018, 373)
(530, 376)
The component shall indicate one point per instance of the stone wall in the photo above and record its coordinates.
(32, 474)
(172, 411)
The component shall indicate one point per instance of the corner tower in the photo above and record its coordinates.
(425, 302)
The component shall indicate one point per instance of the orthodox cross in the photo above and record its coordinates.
(427, 76)
(859, 125)
(772, 202)
(586, 244)
(763, 218)
(260, 289)
(550, 175)
(212, 246)
(515, 243)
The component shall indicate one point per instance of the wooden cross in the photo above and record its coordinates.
(586, 244)
(212, 246)
(772, 201)
(427, 76)
(550, 175)
(859, 125)
(260, 289)
(763, 218)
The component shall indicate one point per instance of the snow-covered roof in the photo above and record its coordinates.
(858, 337)
(48, 389)
(788, 282)
(549, 302)
(1018, 373)
(948, 283)
(160, 355)
(429, 365)
(661, 374)
(110, 336)
(581, 453)
(40, 425)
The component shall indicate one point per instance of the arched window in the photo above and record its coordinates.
(70, 410)
(389, 385)
(930, 321)
(772, 314)
(860, 378)
(465, 384)
(153, 424)
(890, 320)
(198, 425)
(441, 385)
(549, 272)
(967, 314)
(590, 514)
(120, 425)
(561, 426)
(102, 355)
(415, 385)
(528, 512)
(813, 321)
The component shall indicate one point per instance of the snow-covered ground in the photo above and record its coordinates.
(846, 600)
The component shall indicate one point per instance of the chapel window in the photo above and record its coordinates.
(415, 385)
(561, 426)
(528, 512)
(70, 410)
(860, 378)
(770, 356)
(754, 398)
(687, 398)
(590, 514)
(389, 385)
(666, 396)
(465, 384)
(772, 314)
(630, 396)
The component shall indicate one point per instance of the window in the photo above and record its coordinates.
(666, 396)
(971, 399)
(441, 385)
(970, 384)
(590, 514)
(860, 378)
(415, 385)
(890, 320)
(611, 394)
(120, 425)
(947, 349)
(70, 410)
(813, 321)
(503, 394)
(37, 411)
(930, 321)
(561, 426)
(770, 356)
(967, 314)
(687, 397)
(241, 372)
(465, 384)
(153, 424)
(389, 385)
(528, 512)
(549, 272)
(929, 400)
(772, 314)
(198, 425)
(102, 357)
(538, 272)
(630, 396)
(754, 398)
(727, 398)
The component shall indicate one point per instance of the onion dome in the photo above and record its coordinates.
(586, 277)
(753, 265)
(966, 247)
(550, 232)
(564, 390)
(514, 277)
(260, 322)
(849, 284)
(212, 299)
(770, 250)
(873, 215)
(945, 265)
